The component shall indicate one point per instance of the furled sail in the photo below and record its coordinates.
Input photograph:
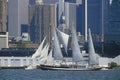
(92, 55)
(37, 53)
(77, 56)
(57, 51)
(63, 38)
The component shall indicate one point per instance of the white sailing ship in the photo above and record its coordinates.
(58, 62)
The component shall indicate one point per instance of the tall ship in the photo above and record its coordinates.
(54, 59)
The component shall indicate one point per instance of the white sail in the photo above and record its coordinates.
(37, 53)
(77, 56)
(57, 51)
(43, 60)
(92, 55)
(50, 59)
(44, 52)
(64, 39)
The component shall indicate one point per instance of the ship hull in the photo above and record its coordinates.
(64, 68)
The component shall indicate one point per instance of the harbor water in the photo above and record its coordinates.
(37, 74)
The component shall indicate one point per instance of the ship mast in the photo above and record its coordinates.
(86, 21)
(102, 39)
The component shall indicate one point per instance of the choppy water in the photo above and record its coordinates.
(20, 74)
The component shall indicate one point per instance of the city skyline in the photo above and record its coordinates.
(79, 20)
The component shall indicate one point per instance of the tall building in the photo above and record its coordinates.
(17, 16)
(66, 13)
(113, 30)
(70, 15)
(41, 20)
(3, 15)
(97, 17)
(3, 33)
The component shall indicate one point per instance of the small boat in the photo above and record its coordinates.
(31, 67)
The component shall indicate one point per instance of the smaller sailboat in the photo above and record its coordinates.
(31, 66)
(78, 62)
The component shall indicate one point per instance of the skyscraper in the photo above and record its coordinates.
(3, 33)
(112, 39)
(70, 15)
(3, 15)
(41, 20)
(97, 12)
(113, 30)
(66, 14)
(17, 16)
